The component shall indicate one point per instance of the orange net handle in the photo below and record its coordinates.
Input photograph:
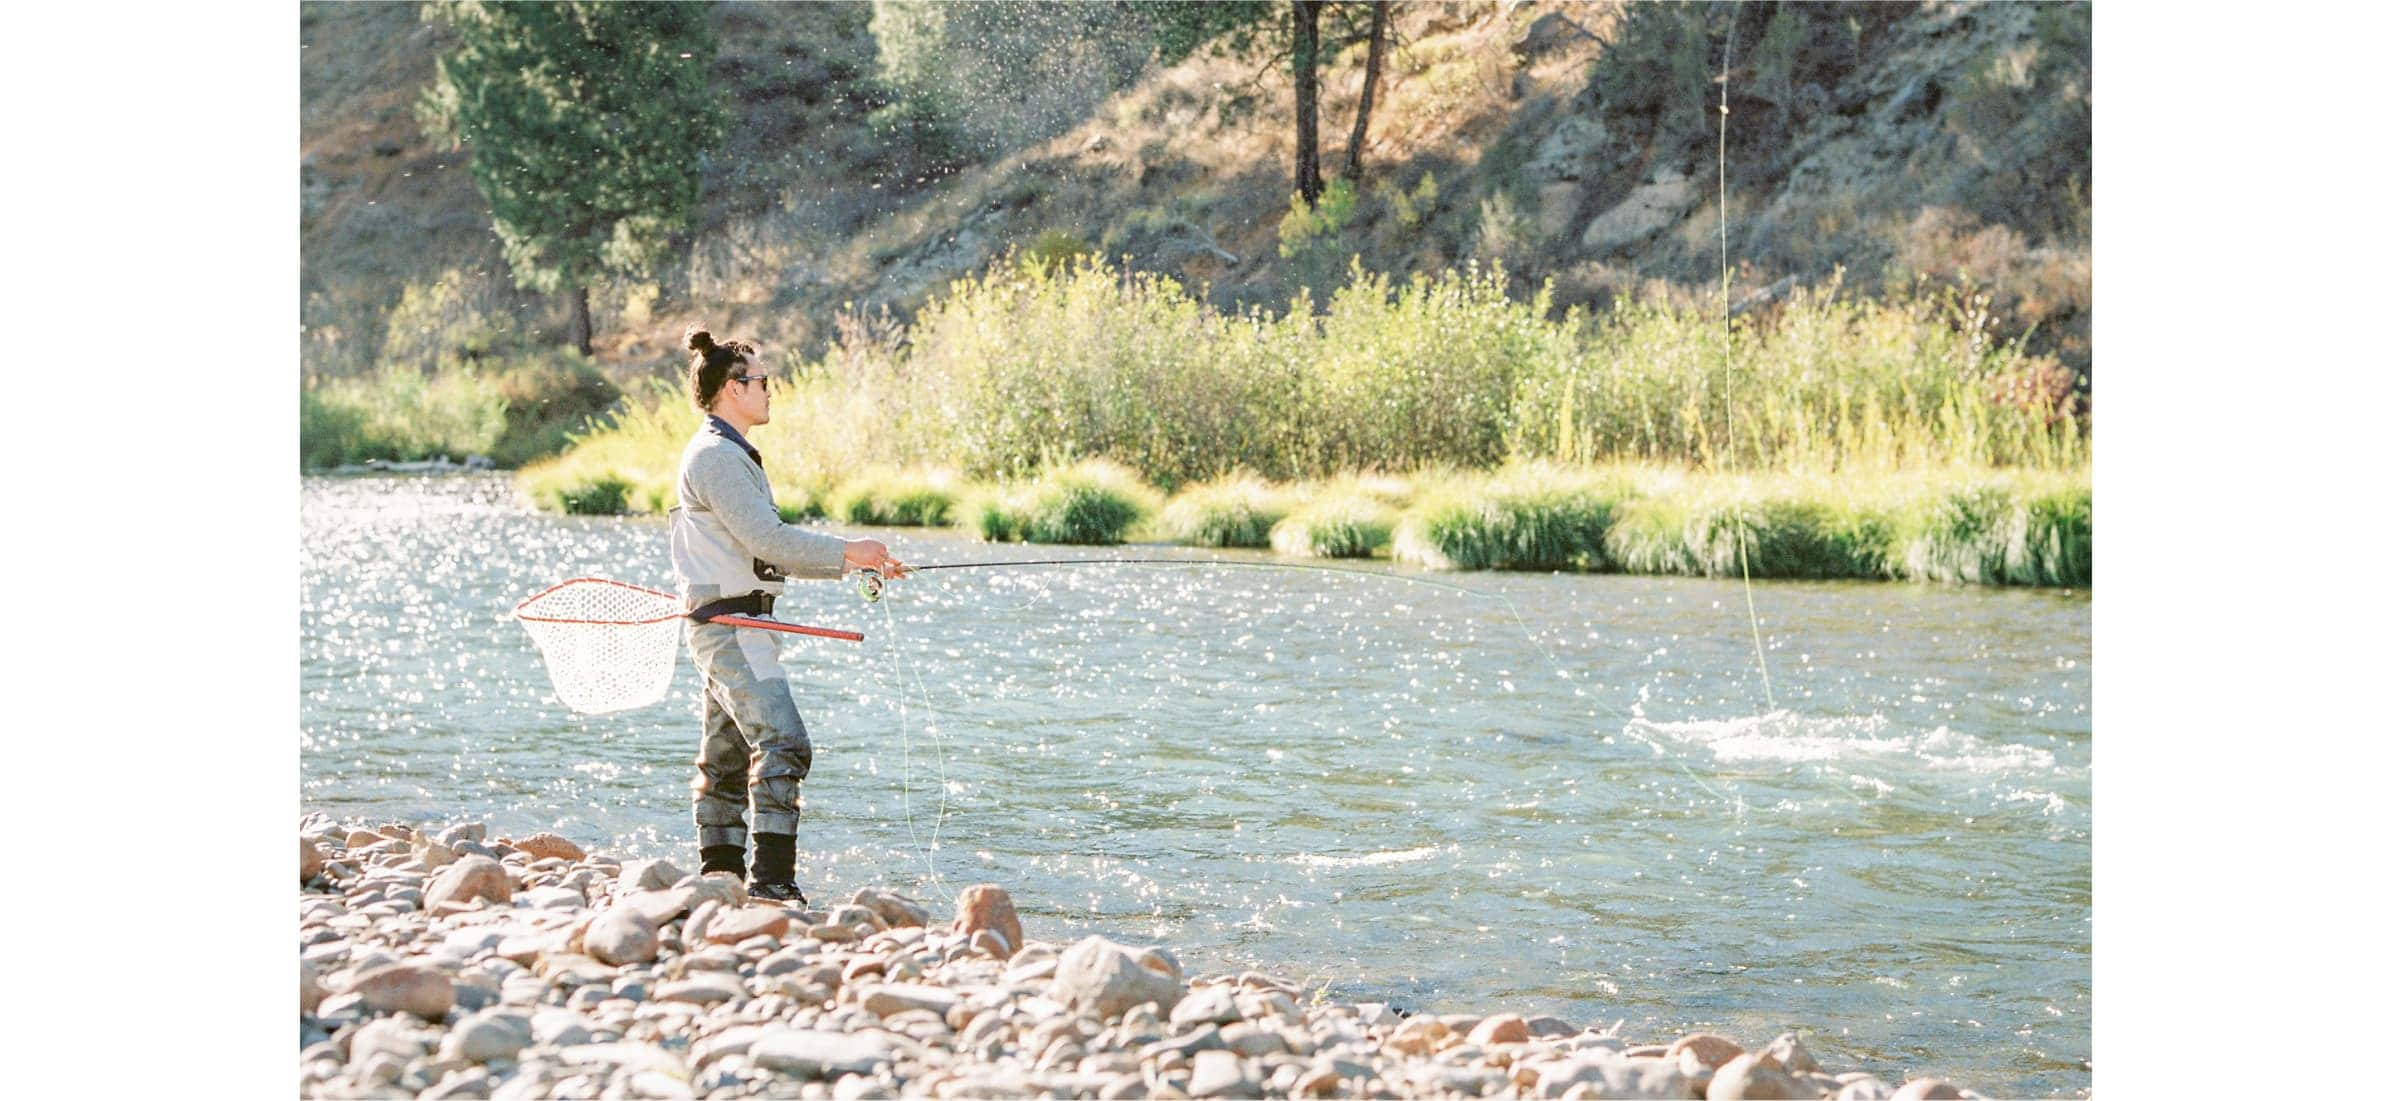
(787, 628)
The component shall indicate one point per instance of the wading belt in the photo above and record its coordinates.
(749, 604)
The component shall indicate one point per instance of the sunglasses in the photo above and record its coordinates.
(765, 379)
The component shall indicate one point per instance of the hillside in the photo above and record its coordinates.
(1569, 141)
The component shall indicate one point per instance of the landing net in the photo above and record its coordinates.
(609, 646)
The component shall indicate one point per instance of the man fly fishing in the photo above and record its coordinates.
(731, 554)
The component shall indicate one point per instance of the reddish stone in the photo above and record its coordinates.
(987, 906)
(542, 846)
(733, 926)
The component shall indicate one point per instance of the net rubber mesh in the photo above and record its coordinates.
(609, 646)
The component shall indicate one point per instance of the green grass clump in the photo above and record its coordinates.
(1778, 528)
(1530, 518)
(1349, 524)
(602, 497)
(1962, 533)
(2058, 546)
(1233, 512)
(895, 499)
(2000, 529)
(1648, 535)
(1091, 503)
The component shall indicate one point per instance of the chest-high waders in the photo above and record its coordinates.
(754, 747)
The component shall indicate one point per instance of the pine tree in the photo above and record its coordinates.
(588, 125)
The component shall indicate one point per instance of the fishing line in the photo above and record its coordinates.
(1727, 354)
(905, 783)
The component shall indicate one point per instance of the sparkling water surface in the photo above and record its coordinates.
(1550, 794)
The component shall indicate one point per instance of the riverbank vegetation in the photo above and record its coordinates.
(1827, 437)
(510, 409)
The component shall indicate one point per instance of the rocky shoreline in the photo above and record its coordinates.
(455, 964)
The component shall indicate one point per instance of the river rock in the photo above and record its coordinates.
(693, 931)
(1750, 1076)
(1651, 1078)
(895, 910)
(1104, 979)
(1503, 1028)
(311, 859)
(1791, 1056)
(431, 854)
(832, 932)
(1419, 1036)
(1319, 1081)
(1159, 960)
(1254, 1041)
(558, 1027)
(1710, 1048)
(1221, 1074)
(647, 875)
(733, 926)
(1266, 1004)
(1926, 1089)
(987, 906)
(407, 988)
(488, 1035)
(553, 898)
(542, 846)
(311, 992)
(812, 1053)
(621, 935)
(889, 999)
(725, 889)
(392, 1037)
(1205, 1005)
(1865, 1088)
(467, 879)
(1548, 1028)
(703, 988)
(659, 907)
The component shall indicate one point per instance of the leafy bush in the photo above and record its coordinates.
(1417, 207)
(1056, 248)
(1307, 225)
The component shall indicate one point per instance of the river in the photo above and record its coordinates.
(1564, 794)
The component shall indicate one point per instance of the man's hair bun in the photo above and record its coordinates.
(698, 340)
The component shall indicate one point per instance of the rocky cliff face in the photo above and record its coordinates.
(1572, 142)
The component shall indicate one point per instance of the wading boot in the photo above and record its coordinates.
(775, 872)
(722, 858)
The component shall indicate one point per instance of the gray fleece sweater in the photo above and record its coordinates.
(728, 538)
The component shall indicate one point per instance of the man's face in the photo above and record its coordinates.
(750, 392)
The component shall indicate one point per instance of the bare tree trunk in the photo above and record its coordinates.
(580, 333)
(1307, 16)
(1370, 88)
